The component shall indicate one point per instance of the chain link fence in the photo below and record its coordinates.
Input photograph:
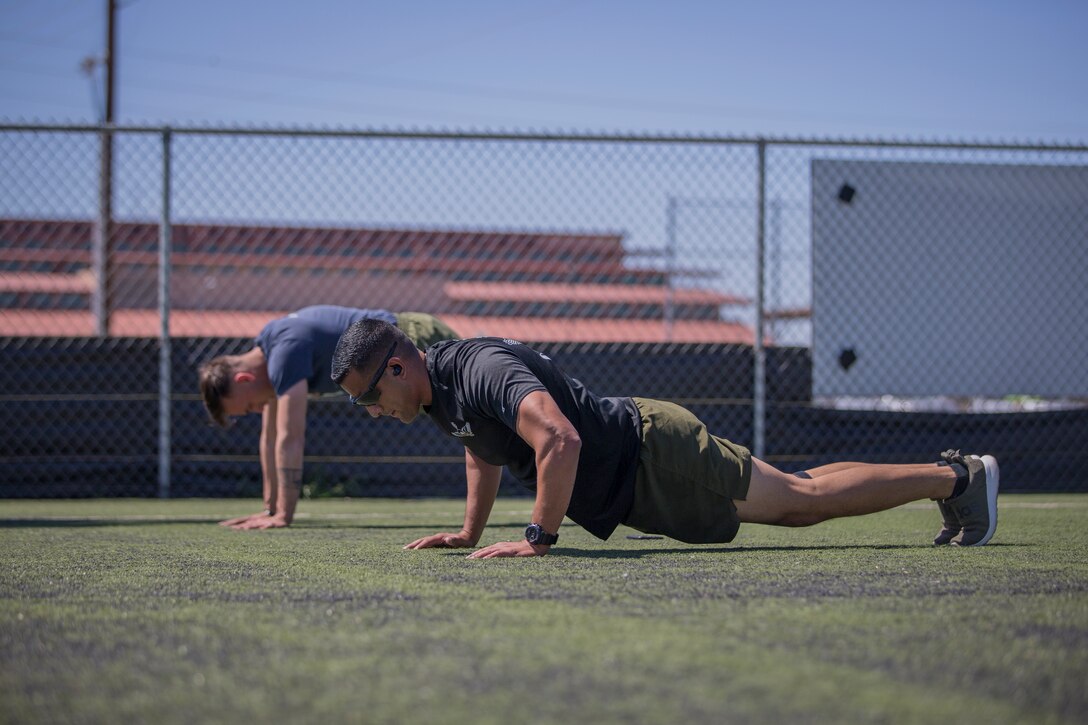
(910, 297)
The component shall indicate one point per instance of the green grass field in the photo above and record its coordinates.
(146, 611)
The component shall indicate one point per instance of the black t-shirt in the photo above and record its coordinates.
(478, 385)
(301, 345)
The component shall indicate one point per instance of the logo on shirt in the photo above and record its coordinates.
(512, 343)
(463, 432)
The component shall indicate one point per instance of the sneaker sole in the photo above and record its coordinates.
(944, 538)
(993, 475)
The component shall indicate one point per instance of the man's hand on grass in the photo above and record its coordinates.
(242, 519)
(509, 548)
(275, 521)
(442, 541)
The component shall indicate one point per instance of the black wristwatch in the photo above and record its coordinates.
(535, 534)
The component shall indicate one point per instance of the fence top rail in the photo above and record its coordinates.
(472, 135)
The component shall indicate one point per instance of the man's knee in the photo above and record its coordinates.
(784, 500)
(802, 503)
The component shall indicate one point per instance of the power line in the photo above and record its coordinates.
(62, 23)
(412, 84)
(404, 84)
(409, 84)
(21, 94)
(658, 106)
(463, 90)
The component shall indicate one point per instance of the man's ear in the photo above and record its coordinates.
(241, 377)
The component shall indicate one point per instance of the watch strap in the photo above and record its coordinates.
(535, 534)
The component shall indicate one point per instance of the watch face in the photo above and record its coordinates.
(533, 532)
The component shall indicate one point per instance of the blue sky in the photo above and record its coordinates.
(995, 70)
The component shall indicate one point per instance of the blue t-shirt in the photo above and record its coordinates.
(300, 346)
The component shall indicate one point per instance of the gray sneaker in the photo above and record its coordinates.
(952, 525)
(976, 507)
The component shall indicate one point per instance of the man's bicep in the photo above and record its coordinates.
(291, 409)
(539, 420)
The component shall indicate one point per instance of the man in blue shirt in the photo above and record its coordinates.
(290, 363)
(606, 461)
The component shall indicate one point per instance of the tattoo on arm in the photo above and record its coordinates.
(291, 477)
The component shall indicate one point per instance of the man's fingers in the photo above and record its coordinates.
(505, 548)
(261, 522)
(443, 541)
(269, 524)
(242, 519)
(491, 552)
(424, 543)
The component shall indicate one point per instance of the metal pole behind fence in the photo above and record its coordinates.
(759, 391)
(100, 242)
(164, 318)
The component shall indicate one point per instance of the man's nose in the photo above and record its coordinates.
(375, 410)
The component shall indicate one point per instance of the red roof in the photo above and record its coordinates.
(80, 282)
(188, 323)
(614, 293)
(218, 269)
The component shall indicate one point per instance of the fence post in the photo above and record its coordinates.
(100, 242)
(759, 366)
(164, 319)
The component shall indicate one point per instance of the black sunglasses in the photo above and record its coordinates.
(370, 395)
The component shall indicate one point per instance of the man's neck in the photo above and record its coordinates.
(428, 394)
(253, 361)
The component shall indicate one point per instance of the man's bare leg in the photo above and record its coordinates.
(950, 525)
(853, 489)
(835, 468)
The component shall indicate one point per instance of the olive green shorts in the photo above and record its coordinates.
(423, 329)
(687, 478)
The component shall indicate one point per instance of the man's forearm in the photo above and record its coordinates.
(288, 476)
(269, 481)
(290, 488)
(558, 446)
(557, 466)
(290, 442)
(483, 486)
(268, 457)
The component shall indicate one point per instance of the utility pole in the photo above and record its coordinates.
(102, 295)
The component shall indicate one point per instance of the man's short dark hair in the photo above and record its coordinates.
(215, 377)
(363, 341)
